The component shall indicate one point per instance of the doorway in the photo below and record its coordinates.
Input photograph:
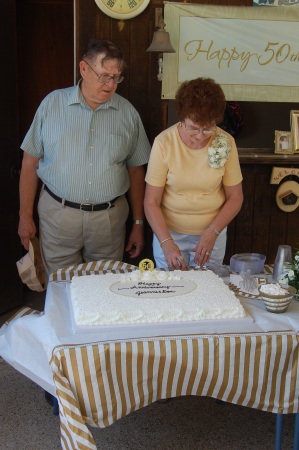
(37, 58)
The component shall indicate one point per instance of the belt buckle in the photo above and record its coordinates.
(86, 204)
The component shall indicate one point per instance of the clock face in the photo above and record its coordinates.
(122, 9)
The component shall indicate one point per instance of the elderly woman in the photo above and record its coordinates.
(194, 181)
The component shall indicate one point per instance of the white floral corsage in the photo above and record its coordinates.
(219, 151)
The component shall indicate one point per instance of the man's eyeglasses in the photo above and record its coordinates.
(106, 78)
(204, 131)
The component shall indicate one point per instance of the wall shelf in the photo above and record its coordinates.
(266, 156)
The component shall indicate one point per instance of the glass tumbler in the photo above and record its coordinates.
(284, 254)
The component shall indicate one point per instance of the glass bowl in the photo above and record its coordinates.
(247, 261)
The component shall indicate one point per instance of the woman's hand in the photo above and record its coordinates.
(204, 247)
(152, 208)
(230, 208)
(173, 256)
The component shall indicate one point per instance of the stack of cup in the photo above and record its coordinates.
(284, 255)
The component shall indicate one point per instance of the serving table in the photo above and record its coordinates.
(100, 376)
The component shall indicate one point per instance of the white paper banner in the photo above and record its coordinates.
(221, 47)
(252, 52)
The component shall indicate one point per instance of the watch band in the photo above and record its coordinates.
(138, 222)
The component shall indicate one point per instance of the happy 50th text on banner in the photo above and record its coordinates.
(253, 54)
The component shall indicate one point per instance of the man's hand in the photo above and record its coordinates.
(136, 241)
(28, 188)
(26, 231)
(136, 196)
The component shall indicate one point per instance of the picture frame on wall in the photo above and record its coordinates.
(275, 3)
(295, 130)
(283, 142)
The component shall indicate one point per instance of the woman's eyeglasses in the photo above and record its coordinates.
(205, 131)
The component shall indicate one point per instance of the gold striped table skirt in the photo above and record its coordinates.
(98, 383)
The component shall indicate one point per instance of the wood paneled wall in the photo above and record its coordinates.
(141, 85)
(45, 53)
(260, 226)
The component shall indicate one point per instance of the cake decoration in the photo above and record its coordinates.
(146, 264)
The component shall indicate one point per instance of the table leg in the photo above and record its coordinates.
(296, 433)
(55, 407)
(278, 431)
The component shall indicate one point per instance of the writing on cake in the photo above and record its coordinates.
(143, 288)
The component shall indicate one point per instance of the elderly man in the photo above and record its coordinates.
(88, 146)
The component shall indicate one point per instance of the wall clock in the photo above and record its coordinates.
(122, 9)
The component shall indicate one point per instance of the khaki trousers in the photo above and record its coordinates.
(69, 236)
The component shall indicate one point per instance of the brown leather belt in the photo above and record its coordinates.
(83, 206)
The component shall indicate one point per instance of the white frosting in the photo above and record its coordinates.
(150, 275)
(94, 303)
(273, 289)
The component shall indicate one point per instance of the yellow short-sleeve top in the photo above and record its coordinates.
(193, 193)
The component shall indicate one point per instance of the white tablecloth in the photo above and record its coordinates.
(27, 342)
(104, 374)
